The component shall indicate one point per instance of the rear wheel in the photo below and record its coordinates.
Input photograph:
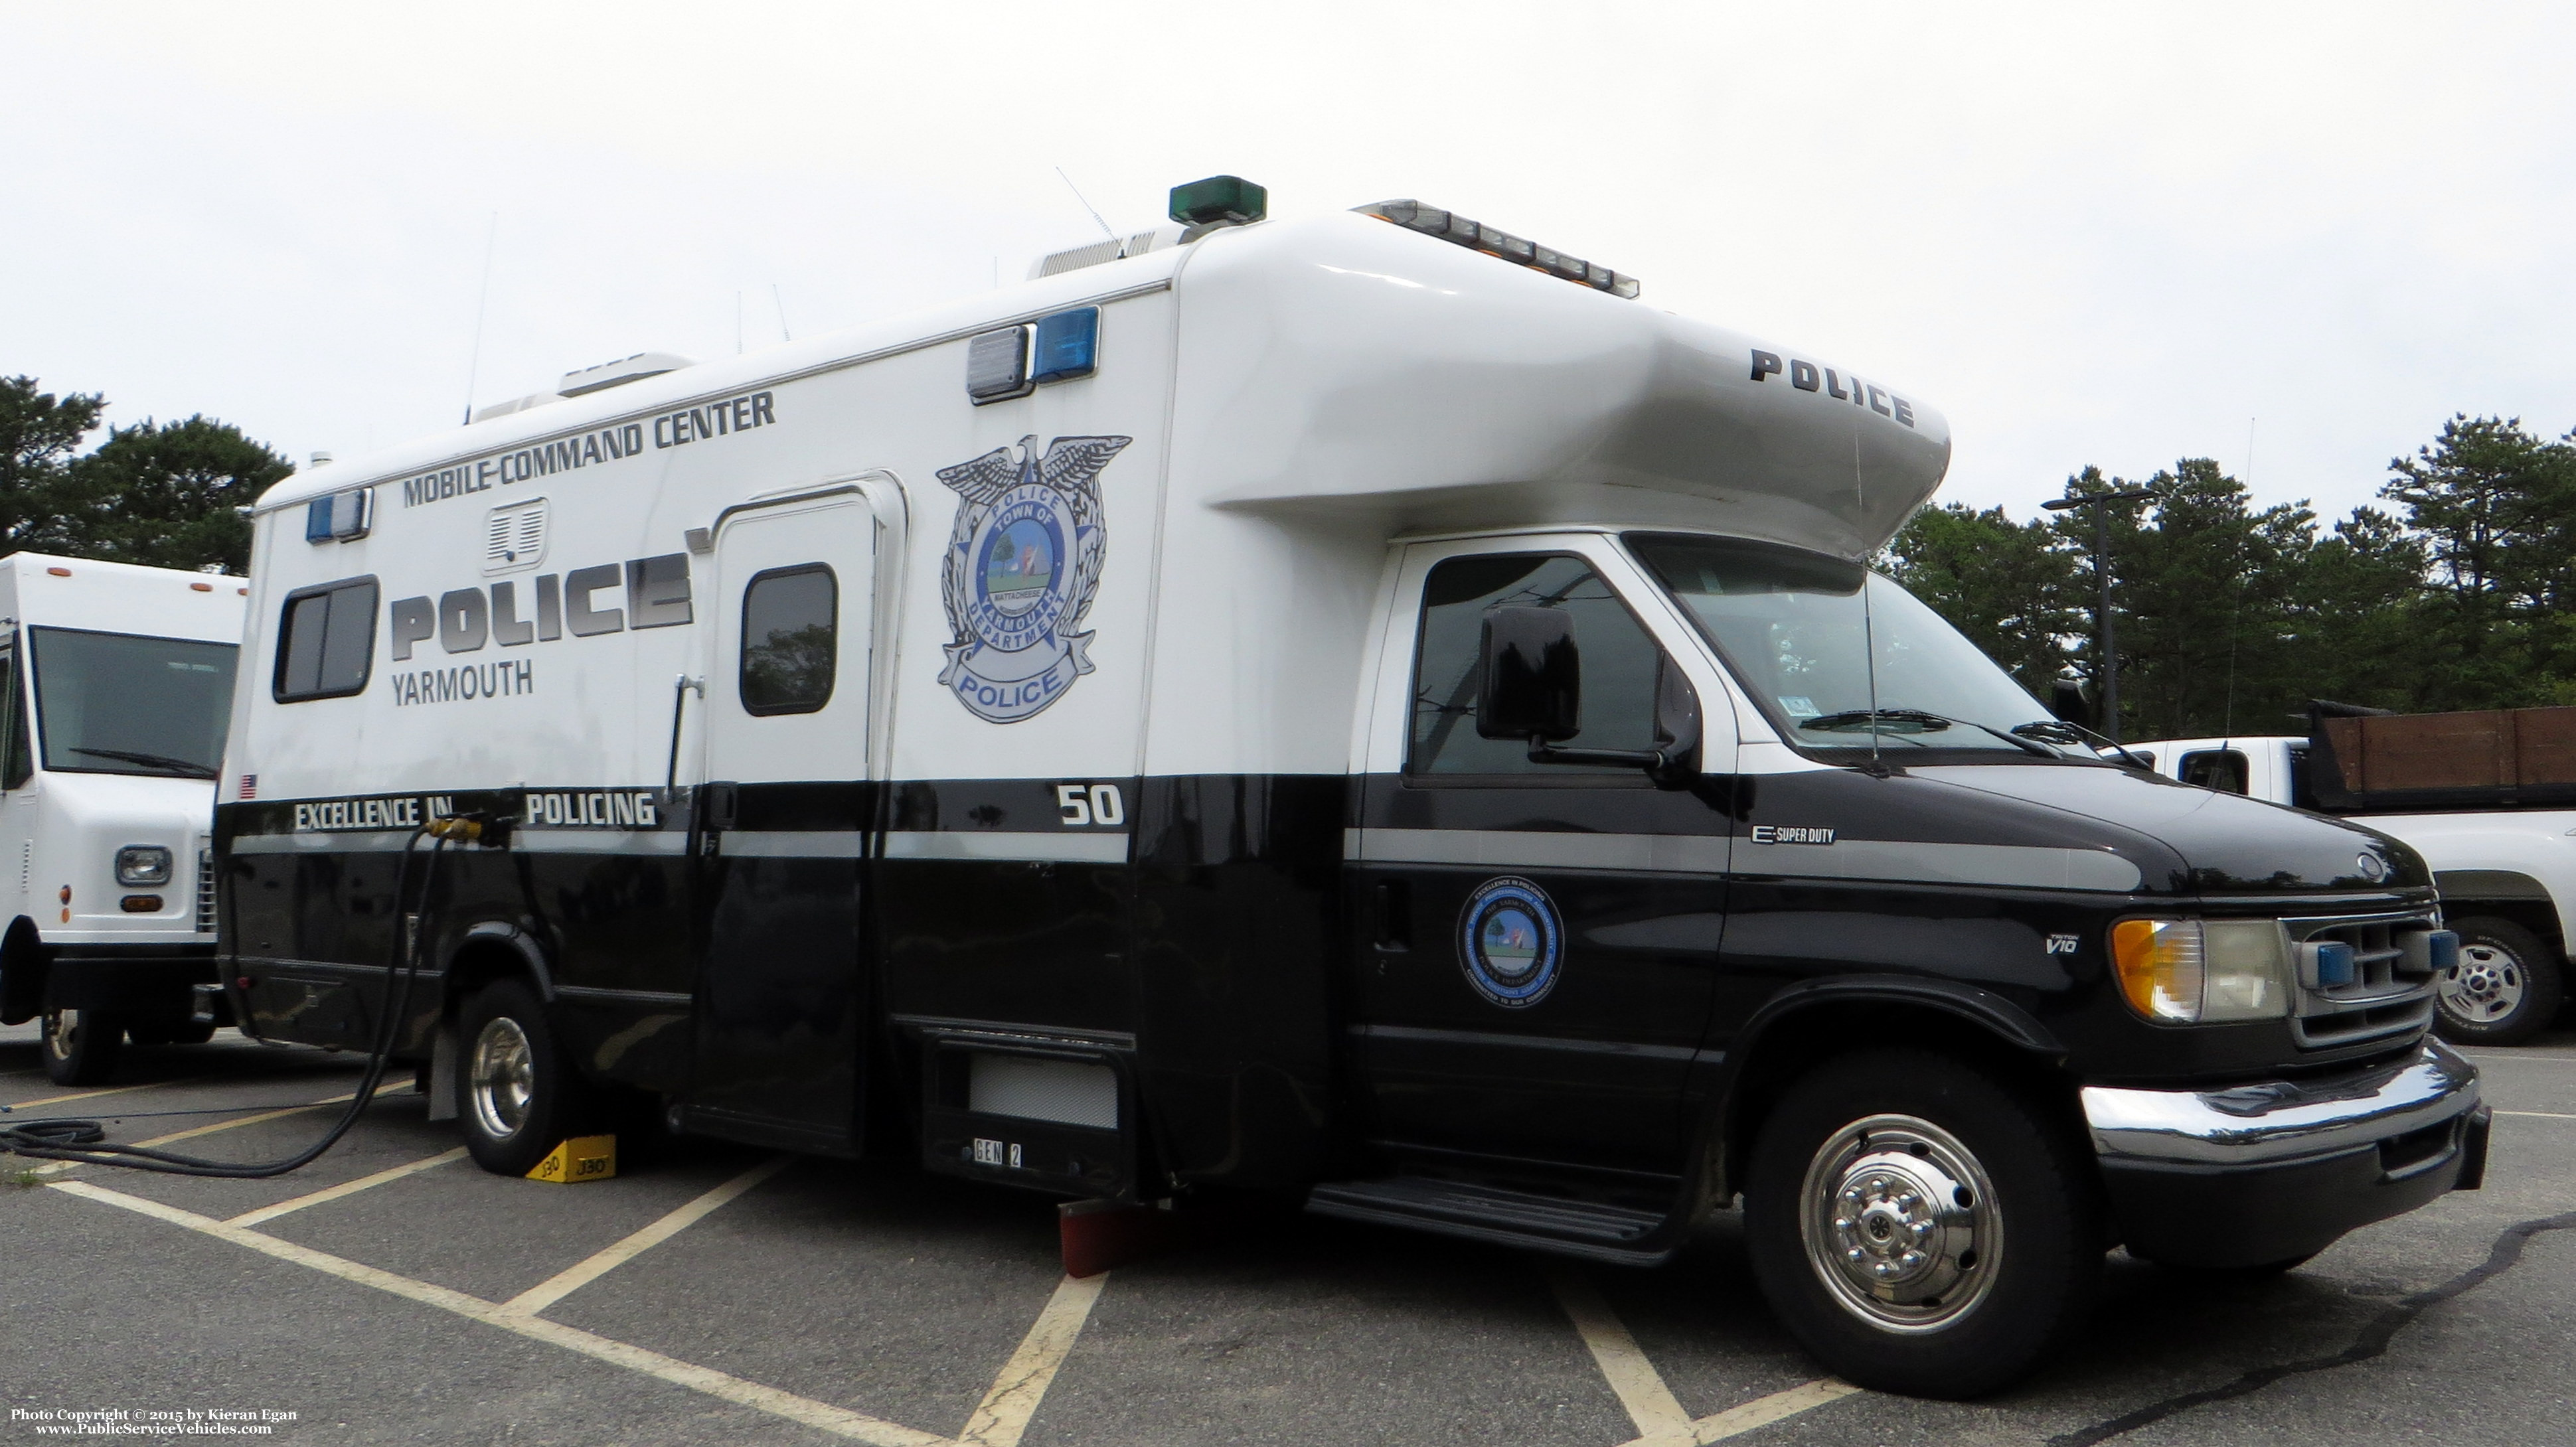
(2505, 989)
(81, 1046)
(521, 1096)
(1920, 1227)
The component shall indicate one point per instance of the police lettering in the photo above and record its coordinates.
(654, 592)
(1807, 377)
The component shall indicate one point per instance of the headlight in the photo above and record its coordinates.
(143, 864)
(2190, 971)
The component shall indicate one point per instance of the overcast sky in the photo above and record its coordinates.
(2088, 236)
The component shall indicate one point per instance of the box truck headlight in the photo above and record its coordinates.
(2189, 971)
(143, 864)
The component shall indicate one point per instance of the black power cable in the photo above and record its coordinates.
(85, 1141)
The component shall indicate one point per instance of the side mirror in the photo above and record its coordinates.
(2066, 700)
(1532, 684)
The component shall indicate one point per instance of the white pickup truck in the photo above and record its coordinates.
(2505, 863)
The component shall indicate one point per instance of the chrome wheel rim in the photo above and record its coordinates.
(502, 1079)
(2486, 986)
(1900, 1223)
(62, 1033)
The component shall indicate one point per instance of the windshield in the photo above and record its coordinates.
(114, 703)
(1792, 625)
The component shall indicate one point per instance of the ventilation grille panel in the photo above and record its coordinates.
(514, 537)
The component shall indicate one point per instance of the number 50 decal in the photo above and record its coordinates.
(1091, 804)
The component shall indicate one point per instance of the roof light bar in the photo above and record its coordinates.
(1475, 236)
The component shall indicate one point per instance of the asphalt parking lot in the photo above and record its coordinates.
(392, 1292)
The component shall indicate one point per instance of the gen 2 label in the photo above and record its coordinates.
(1084, 806)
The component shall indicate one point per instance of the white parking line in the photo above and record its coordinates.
(564, 1283)
(345, 1188)
(18, 1105)
(2538, 1114)
(1651, 1405)
(1004, 1413)
(1661, 1419)
(823, 1416)
(58, 1167)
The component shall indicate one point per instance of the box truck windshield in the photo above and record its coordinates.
(1799, 631)
(116, 703)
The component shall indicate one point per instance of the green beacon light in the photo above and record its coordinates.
(1219, 201)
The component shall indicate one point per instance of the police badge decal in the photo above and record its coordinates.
(1023, 565)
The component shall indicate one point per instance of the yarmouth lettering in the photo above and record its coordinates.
(448, 685)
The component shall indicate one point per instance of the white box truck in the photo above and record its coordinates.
(116, 686)
(1358, 706)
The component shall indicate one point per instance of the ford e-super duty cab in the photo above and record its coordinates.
(1359, 707)
(116, 686)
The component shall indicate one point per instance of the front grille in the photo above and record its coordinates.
(205, 891)
(2391, 991)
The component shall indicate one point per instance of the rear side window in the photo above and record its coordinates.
(2222, 769)
(326, 639)
(790, 639)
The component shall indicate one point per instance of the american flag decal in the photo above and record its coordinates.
(250, 786)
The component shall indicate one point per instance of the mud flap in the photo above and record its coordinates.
(442, 1072)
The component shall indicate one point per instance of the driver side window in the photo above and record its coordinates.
(1620, 664)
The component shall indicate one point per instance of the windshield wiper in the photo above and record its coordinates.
(1924, 722)
(189, 767)
(2075, 733)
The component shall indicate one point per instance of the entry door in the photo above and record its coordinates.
(1538, 942)
(782, 815)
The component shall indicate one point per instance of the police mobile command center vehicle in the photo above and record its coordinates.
(116, 684)
(1357, 705)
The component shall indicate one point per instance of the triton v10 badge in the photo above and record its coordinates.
(1022, 568)
(1510, 939)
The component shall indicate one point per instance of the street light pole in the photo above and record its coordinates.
(2110, 638)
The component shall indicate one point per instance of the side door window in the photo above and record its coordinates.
(1621, 665)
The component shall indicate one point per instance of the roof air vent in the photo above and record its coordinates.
(620, 372)
(1115, 248)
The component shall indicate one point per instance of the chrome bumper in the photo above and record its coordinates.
(2280, 1120)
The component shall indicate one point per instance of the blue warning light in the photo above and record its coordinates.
(1068, 345)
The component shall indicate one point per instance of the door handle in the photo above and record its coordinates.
(1394, 904)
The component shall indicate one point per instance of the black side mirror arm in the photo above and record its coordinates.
(1672, 766)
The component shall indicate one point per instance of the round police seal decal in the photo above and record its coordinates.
(1510, 940)
(1023, 566)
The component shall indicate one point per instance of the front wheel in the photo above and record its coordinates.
(2504, 989)
(81, 1046)
(521, 1096)
(1920, 1227)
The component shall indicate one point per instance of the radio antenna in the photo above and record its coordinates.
(1868, 624)
(774, 300)
(482, 298)
(1077, 195)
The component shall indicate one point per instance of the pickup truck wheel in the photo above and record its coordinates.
(2505, 989)
(1920, 1227)
(520, 1096)
(81, 1046)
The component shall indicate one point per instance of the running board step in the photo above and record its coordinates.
(1501, 1217)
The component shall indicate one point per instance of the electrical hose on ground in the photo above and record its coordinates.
(85, 1141)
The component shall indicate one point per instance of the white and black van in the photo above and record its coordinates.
(1359, 706)
(116, 685)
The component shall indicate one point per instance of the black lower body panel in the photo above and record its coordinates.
(139, 979)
